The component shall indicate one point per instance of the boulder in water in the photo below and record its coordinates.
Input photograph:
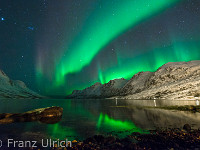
(48, 115)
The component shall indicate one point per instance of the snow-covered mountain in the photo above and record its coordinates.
(174, 80)
(99, 90)
(14, 88)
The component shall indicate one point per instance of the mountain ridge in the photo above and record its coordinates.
(173, 80)
(15, 89)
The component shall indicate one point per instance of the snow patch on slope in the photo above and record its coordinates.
(14, 89)
(174, 80)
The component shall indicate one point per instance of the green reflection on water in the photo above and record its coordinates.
(58, 131)
(118, 127)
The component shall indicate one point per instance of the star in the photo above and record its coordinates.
(31, 28)
(2, 19)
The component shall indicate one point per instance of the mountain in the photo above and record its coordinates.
(98, 90)
(174, 80)
(14, 88)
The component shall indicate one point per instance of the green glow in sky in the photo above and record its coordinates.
(152, 60)
(104, 25)
(107, 24)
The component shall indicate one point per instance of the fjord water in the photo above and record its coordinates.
(85, 118)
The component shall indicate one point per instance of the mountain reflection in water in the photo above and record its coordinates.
(85, 118)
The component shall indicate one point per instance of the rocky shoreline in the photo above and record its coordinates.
(165, 139)
(158, 139)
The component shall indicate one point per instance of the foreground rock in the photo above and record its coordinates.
(159, 139)
(174, 80)
(168, 139)
(15, 89)
(48, 115)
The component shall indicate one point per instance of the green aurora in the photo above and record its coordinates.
(105, 25)
(152, 60)
(102, 27)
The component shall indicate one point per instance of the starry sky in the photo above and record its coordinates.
(58, 46)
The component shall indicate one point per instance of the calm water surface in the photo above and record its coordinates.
(85, 118)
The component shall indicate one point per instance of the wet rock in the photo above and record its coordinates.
(51, 115)
(99, 138)
(135, 134)
(90, 139)
(48, 115)
(157, 139)
(131, 146)
(192, 108)
(187, 127)
(110, 140)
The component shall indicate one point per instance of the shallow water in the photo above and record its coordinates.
(85, 118)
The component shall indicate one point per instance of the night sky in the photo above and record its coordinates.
(58, 46)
